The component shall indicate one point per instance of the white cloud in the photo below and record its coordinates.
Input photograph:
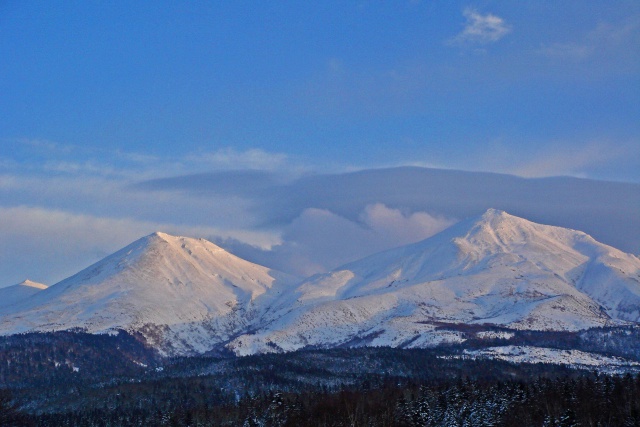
(398, 228)
(102, 182)
(481, 29)
(319, 240)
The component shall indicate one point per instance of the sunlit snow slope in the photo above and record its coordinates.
(183, 295)
(496, 269)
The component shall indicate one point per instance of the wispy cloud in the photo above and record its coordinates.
(229, 158)
(606, 39)
(86, 167)
(556, 158)
(100, 196)
(45, 145)
(572, 161)
(568, 50)
(43, 156)
(481, 29)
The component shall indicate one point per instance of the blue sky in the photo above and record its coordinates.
(97, 96)
(360, 84)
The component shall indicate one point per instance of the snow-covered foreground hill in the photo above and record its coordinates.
(497, 269)
(186, 296)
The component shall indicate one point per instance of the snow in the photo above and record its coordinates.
(186, 296)
(530, 354)
(488, 335)
(497, 269)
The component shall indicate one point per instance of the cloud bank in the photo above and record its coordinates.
(56, 221)
(331, 219)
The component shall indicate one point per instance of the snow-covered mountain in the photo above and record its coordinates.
(187, 296)
(182, 295)
(497, 269)
(12, 295)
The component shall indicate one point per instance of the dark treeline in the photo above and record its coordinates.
(46, 359)
(589, 400)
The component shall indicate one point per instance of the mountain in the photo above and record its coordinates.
(12, 295)
(496, 269)
(185, 296)
(182, 295)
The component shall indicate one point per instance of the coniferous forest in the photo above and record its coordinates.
(74, 379)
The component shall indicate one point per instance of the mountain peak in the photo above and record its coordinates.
(32, 284)
(160, 236)
(13, 295)
(496, 269)
(492, 213)
(194, 293)
(497, 217)
(166, 236)
(495, 230)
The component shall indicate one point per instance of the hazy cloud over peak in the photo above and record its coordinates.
(319, 240)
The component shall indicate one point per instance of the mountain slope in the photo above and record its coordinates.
(182, 295)
(12, 295)
(496, 269)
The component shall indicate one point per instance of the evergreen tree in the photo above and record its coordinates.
(568, 419)
(10, 415)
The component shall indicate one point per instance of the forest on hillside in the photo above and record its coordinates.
(589, 400)
(75, 379)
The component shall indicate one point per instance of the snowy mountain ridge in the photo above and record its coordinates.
(497, 269)
(188, 296)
